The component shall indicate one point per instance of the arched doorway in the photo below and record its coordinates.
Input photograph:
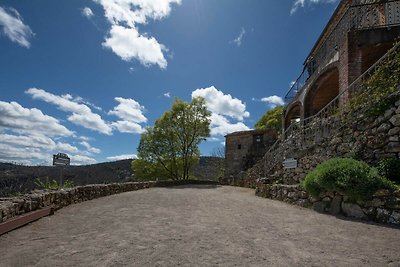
(323, 91)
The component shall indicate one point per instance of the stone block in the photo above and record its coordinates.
(393, 147)
(394, 131)
(382, 193)
(382, 215)
(353, 210)
(335, 207)
(376, 202)
(384, 127)
(394, 217)
(395, 120)
(319, 206)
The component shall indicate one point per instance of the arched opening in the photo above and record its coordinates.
(292, 115)
(323, 91)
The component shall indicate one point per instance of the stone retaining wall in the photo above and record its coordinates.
(384, 207)
(11, 207)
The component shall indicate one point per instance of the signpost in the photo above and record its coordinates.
(289, 163)
(62, 160)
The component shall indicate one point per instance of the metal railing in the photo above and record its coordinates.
(324, 124)
(360, 15)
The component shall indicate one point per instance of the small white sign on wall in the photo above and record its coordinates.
(289, 163)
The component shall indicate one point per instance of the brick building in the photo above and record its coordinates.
(357, 35)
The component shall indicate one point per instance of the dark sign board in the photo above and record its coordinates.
(61, 159)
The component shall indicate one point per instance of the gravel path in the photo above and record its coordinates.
(197, 225)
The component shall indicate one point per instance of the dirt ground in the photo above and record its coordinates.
(197, 226)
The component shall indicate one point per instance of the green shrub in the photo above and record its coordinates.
(347, 176)
(53, 184)
(390, 168)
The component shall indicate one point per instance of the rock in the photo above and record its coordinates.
(303, 194)
(336, 140)
(394, 131)
(352, 210)
(393, 147)
(398, 110)
(335, 208)
(397, 103)
(293, 195)
(383, 128)
(376, 202)
(389, 113)
(382, 215)
(394, 138)
(382, 193)
(395, 120)
(319, 206)
(326, 199)
(394, 217)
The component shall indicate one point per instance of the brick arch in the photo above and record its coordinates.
(292, 113)
(322, 91)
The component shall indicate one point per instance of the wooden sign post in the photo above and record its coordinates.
(62, 160)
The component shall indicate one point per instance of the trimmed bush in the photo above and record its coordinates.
(347, 176)
(390, 168)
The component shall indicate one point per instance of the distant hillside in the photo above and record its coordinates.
(20, 179)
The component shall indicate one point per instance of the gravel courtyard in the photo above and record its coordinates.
(197, 226)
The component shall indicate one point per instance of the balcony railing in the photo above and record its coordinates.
(362, 14)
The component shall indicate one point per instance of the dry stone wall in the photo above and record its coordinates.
(384, 207)
(37, 199)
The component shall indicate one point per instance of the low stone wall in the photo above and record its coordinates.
(12, 207)
(384, 207)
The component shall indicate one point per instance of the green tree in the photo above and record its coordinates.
(272, 119)
(169, 149)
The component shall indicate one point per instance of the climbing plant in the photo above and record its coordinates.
(380, 86)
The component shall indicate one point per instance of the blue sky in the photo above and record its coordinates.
(87, 77)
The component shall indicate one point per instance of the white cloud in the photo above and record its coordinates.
(128, 127)
(121, 157)
(82, 160)
(223, 108)
(221, 103)
(14, 28)
(273, 101)
(37, 141)
(128, 44)
(26, 155)
(167, 95)
(16, 118)
(31, 148)
(124, 38)
(129, 110)
(131, 113)
(89, 147)
(220, 125)
(301, 3)
(81, 114)
(239, 38)
(87, 12)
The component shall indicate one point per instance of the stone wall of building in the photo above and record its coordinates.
(37, 199)
(384, 207)
(244, 149)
